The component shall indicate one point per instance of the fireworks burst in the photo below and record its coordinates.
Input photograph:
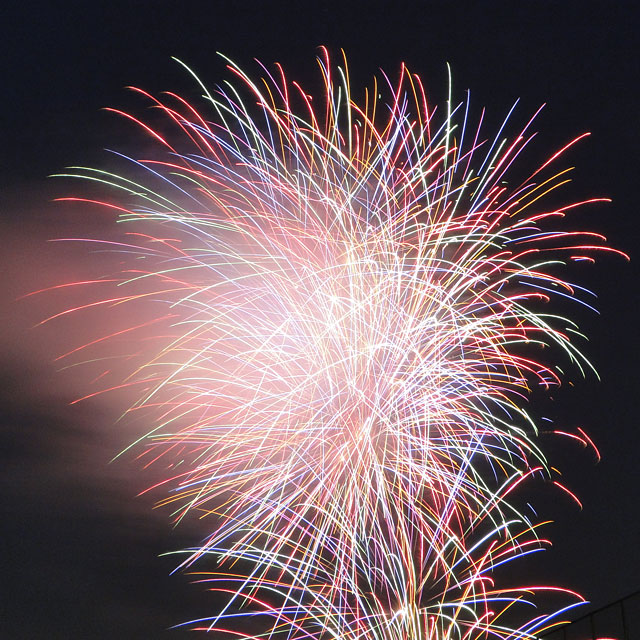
(349, 305)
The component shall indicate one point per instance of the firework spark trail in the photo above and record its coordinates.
(351, 297)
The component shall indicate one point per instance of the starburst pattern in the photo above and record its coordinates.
(349, 308)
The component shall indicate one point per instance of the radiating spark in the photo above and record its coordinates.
(351, 307)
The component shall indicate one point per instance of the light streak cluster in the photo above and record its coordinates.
(349, 309)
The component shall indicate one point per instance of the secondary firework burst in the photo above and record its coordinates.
(345, 308)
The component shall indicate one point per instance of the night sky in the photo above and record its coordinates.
(80, 552)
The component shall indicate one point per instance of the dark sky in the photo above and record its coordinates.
(79, 550)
